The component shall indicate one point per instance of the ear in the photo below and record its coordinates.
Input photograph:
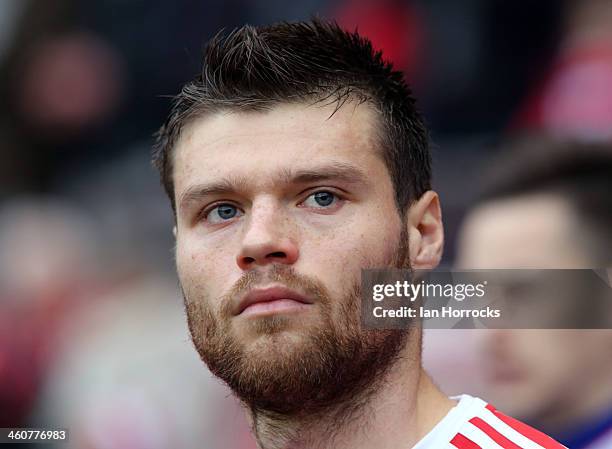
(425, 232)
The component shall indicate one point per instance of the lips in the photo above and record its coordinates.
(270, 294)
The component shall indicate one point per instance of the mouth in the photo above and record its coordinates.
(503, 373)
(271, 300)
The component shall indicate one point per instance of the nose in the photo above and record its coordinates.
(267, 239)
(497, 341)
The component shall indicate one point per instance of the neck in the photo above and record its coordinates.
(404, 407)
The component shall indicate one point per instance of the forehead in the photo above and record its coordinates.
(288, 135)
(528, 231)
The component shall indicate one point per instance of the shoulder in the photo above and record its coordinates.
(482, 426)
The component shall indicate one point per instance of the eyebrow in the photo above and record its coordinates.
(337, 171)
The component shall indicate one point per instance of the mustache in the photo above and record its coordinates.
(284, 275)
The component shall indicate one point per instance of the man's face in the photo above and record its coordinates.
(277, 213)
(534, 373)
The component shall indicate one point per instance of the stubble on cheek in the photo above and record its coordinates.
(212, 319)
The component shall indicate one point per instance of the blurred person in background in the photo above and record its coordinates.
(546, 69)
(81, 81)
(296, 159)
(60, 84)
(548, 205)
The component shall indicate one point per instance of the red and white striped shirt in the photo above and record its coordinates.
(474, 424)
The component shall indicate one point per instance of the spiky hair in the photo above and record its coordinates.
(256, 68)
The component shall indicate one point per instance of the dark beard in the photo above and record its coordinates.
(337, 362)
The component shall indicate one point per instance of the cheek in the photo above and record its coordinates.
(337, 258)
(549, 360)
(371, 242)
(203, 271)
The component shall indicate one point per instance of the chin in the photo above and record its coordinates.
(274, 325)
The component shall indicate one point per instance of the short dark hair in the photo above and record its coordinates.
(578, 171)
(255, 68)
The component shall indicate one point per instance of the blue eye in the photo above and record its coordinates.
(321, 199)
(221, 213)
